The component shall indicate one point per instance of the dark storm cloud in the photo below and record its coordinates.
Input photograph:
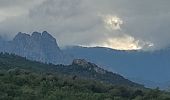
(80, 22)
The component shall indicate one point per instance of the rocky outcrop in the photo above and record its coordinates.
(90, 66)
(80, 62)
(37, 46)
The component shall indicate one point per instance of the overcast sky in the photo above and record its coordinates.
(119, 24)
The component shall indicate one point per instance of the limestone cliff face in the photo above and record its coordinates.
(38, 46)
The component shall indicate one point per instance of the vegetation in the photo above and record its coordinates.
(19, 84)
(90, 71)
(24, 82)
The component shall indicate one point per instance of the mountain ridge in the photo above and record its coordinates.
(43, 47)
(31, 80)
(37, 46)
(153, 66)
(88, 71)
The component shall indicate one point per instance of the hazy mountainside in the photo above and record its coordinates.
(22, 79)
(79, 68)
(149, 68)
(38, 46)
(138, 65)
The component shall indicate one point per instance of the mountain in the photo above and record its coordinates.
(38, 46)
(22, 79)
(148, 68)
(153, 66)
(78, 68)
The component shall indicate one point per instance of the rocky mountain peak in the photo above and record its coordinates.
(46, 34)
(36, 34)
(80, 62)
(21, 36)
(48, 37)
(37, 46)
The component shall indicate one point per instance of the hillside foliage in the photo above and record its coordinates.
(21, 79)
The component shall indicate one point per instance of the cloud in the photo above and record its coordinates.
(18, 3)
(113, 22)
(131, 24)
(16, 8)
(123, 42)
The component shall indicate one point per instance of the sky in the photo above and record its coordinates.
(117, 24)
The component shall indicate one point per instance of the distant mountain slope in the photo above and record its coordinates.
(79, 68)
(37, 81)
(38, 46)
(152, 66)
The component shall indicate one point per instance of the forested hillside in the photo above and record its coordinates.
(22, 79)
(79, 68)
